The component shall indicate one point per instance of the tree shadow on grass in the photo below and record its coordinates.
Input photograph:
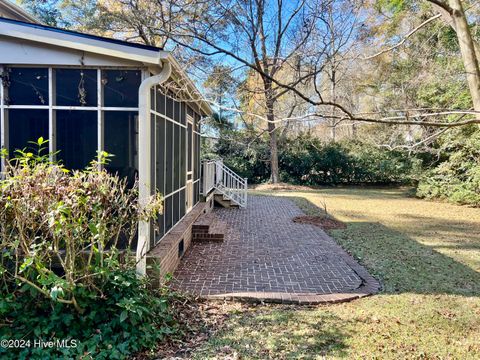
(401, 263)
(280, 332)
(350, 192)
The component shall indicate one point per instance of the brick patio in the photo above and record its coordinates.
(268, 257)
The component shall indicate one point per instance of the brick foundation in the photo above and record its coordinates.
(165, 257)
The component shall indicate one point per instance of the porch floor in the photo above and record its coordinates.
(267, 257)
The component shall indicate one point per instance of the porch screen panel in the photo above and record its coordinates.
(190, 146)
(176, 157)
(183, 160)
(183, 205)
(160, 156)
(170, 152)
(160, 166)
(63, 105)
(76, 87)
(196, 158)
(26, 86)
(120, 87)
(168, 212)
(169, 158)
(176, 208)
(25, 127)
(76, 138)
(121, 141)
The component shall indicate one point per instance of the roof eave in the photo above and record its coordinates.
(97, 46)
(204, 105)
(17, 10)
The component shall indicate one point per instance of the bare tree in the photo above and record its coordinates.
(266, 36)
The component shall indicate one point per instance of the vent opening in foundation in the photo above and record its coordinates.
(181, 248)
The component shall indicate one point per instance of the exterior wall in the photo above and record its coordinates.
(22, 51)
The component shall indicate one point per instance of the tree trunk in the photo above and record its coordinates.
(333, 74)
(333, 95)
(459, 23)
(448, 18)
(272, 131)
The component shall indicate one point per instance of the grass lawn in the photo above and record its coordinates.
(427, 256)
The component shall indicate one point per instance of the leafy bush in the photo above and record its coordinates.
(128, 317)
(242, 152)
(306, 160)
(65, 268)
(457, 179)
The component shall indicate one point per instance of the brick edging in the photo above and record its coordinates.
(366, 289)
(369, 286)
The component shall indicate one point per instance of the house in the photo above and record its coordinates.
(87, 94)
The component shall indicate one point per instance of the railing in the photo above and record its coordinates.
(208, 176)
(219, 177)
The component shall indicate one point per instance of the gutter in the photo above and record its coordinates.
(146, 187)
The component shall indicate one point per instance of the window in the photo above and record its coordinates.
(75, 87)
(121, 87)
(26, 126)
(26, 86)
(76, 138)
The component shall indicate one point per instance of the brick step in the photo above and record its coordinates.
(208, 237)
(208, 228)
(200, 228)
(224, 201)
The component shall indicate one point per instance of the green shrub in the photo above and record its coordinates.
(245, 154)
(66, 270)
(457, 178)
(306, 160)
(126, 318)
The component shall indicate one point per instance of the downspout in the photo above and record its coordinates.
(146, 188)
